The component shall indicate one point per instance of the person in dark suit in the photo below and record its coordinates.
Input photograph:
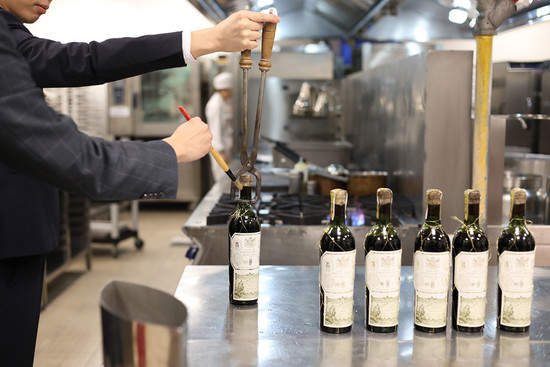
(42, 158)
(40, 151)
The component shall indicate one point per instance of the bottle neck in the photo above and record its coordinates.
(433, 214)
(338, 214)
(383, 214)
(472, 215)
(517, 212)
(246, 193)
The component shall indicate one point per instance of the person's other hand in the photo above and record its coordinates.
(191, 140)
(238, 32)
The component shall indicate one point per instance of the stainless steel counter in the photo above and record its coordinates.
(283, 329)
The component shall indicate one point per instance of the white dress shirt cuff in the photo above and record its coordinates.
(186, 47)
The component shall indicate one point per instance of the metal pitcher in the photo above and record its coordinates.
(142, 327)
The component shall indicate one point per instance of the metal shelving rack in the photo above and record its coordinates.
(74, 239)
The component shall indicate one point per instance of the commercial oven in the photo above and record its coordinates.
(146, 106)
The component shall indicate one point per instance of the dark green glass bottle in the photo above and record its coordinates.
(382, 269)
(244, 249)
(470, 262)
(516, 264)
(431, 265)
(337, 269)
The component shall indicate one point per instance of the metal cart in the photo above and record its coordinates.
(113, 231)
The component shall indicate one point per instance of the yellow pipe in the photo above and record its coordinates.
(481, 122)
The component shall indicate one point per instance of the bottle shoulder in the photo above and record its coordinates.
(516, 239)
(382, 238)
(472, 240)
(432, 238)
(337, 239)
(244, 220)
(381, 229)
(335, 229)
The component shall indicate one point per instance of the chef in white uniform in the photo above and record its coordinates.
(219, 114)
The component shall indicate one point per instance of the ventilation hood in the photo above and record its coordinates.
(376, 20)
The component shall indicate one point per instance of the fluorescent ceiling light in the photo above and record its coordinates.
(458, 16)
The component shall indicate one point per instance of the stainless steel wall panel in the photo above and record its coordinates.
(448, 137)
(497, 137)
(412, 118)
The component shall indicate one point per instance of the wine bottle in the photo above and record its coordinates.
(244, 249)
(336, 269)
(382, 269)
(431, 263)
(470, 264)
(516, 265)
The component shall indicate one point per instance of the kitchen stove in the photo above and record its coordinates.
(301, 209)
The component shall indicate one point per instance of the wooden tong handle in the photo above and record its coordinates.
(246, 60)
(268, 37)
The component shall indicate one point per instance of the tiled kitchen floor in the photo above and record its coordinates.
(69, 333)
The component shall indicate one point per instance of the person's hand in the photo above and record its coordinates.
(238, 32)
(191, 140)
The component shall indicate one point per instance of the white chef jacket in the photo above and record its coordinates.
(219, 115)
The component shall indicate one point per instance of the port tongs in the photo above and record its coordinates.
(248, 160)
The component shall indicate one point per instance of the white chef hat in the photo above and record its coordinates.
(223, 81)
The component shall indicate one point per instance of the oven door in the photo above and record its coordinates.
(146, 106)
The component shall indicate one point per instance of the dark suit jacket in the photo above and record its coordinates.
(40, 149)
(77, 64)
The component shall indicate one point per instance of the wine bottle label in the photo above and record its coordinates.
(383, 280)
(515, 279)
(336, 278)
(470, 279)
(245, 259)
(431, 285)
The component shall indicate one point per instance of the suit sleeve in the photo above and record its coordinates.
(37, 141)
(76, 64)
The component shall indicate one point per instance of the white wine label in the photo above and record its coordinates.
(383, 280)
(246, 285)
(471, 309)
(431, 285)
(245, 259)
(515, 279)
(336, 278)
(470, 278)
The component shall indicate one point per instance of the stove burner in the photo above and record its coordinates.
(297, 209)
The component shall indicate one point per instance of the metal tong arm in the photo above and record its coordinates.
(246, 64)
(248, 161)
(268, 38)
